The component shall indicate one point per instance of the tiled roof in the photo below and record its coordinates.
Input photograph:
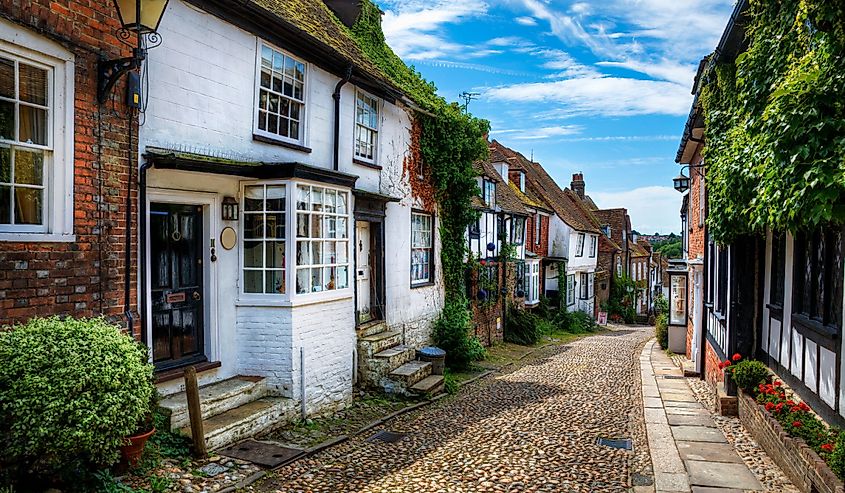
(505, 198)
(527, 199)
(538, 181)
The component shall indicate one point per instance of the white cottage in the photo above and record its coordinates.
(282, 251)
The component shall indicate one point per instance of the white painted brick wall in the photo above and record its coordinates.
(264, 339)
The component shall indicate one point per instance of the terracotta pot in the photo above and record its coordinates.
(131, 453)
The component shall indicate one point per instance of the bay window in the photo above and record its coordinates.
(322, 239)
(264, 239)
(422, 248)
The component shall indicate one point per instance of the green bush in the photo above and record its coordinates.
(661, 305)
(452, 334)
(661, 330)
(524, 327)
(748, 374)
(580, 322)
(70, 392)
(836, 461)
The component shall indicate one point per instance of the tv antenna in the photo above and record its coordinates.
(468, 97)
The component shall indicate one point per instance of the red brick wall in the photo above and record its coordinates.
(531, 245)
(712, 372)
(697, 239)
(84, 278)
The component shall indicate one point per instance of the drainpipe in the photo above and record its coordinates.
(142, 244)
(336, 96)
(127, 268)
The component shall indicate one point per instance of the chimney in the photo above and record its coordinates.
(578, 184)
(347, 11)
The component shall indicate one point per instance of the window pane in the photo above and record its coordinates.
(316, 280)
(5, 165)
(253, 251)
(329, 278)
(341, 228)
(294, 130)
(275, 281)
(266, 57)
(28, 206)
(7, 120)
(272, 123)
(253, 226)
(342, 252)
(253, 198)
(7, 78)
(342, 277)
(278, 61)
(273, 103)
(275, 226)
(262, 120)
(316, 252)
(276, 254)
(303, 252)
(317, 199)
(32, 125)
(316, 226)
(341, 202)
(5, 201)
(331, 201)
(302, 225)
(303, 198)
(33, 84)
(329, 253)
(253, 281)
(330, 230)
(303, 280)
(29, 167)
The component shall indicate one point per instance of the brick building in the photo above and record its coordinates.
(64, 168)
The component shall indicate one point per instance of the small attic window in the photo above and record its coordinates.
(522, 181)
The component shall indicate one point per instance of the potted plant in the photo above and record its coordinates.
(133, 448)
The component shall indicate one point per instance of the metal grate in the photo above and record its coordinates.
(619, 443)
(387, 437)
(673, 377)
(262, 453)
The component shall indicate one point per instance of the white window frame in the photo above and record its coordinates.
(518, 230)
(537, 228)
(303, 115)
(430, 248)
(488, 198)
(533, 285)
(377, 104)
(593, 245)
(264, 240)
(322, 238)
(570, 289)
(23, 45)
(584, 288)
(579, 246)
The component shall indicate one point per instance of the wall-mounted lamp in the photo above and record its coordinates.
(138, 19)
(681, 183)
(230, 209)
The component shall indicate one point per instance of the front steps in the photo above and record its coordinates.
(385, 363)
(232, 410)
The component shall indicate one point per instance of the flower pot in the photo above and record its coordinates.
(730, 385)
(131, 452)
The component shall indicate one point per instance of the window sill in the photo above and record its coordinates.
(422, 284)
(822, 334)
(280, 143)
(366, 164)
(37, 238)
(297, 300)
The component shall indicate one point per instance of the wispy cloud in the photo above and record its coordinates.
(525, 21)
(654, 208)
(625, 138)
(540, 133)
(490, 69)
(414, 29)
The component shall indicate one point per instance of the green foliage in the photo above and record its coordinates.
(451, 333)
(110, 484)
(70, 391)
(748, 374)
(450, 382)
(672, 248)
(574, 322)
(775, 121)
(836, 460)
(661, 305)
(524, 327)
(172, 445)
(661, 330)
(622, 300)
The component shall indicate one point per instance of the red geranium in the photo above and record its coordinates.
(796, 424)
(827, 447)
(483, 262)
(736, 357)
(777, 383)
(769, 406)
(804, 407)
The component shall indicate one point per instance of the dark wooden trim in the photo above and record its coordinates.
(177, 373)
(281, 143)
(422, 285)
(366, 164)
(775, 311)
(817, 332)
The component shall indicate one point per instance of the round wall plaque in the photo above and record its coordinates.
(228, 238)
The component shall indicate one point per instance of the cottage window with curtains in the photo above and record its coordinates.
(264, 239)
(818, 264)
(366, 127)
(322, 239)
(422, 248)
(280, 113)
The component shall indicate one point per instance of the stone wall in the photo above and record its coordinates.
(800, 463)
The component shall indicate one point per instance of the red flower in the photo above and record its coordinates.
(736, 357)
(796, 424)
(769, 406)
(804, 407)
(827, 447)
(790, 402)
(779, 407)
(483, 262)
(777, 383)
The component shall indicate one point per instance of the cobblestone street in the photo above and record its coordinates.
(531, 429)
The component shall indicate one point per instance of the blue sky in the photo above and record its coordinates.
(601, 87)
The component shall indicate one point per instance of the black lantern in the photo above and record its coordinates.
(681, 183)
(139, 20)
(230, 209)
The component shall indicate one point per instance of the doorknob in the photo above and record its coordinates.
(196, 295)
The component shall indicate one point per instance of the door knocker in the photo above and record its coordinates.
(176, 236)
(196, 295)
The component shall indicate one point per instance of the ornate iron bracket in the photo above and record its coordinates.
(110, 71)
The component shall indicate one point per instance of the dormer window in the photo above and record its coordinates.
(489, 193)
(522, 182)
(606, 230)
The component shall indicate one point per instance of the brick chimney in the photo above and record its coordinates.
(345, 10)
(578, 186)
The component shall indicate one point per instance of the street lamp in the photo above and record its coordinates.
(139, 19)
(681, 182)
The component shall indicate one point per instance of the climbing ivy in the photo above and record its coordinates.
(775, 122)
(447, 141)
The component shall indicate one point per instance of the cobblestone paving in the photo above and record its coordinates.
(533, 429)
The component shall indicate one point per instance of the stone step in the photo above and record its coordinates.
(432, 384)
(246, 421)
(396, 356)
(371, 345)
(371, 328)
(216, 398)
(411, 373)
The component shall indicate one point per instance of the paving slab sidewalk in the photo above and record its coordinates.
(688, 452)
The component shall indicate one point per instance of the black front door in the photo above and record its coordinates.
(176, 284)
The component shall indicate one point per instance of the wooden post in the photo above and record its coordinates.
(192, 392)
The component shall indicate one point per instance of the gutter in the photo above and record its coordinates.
(336, 96)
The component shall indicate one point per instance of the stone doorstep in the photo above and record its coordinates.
(371, 328)
(374, 344)
(246, 421)
(722, 475)
(432, 384)
(411, 372)
(215, 398)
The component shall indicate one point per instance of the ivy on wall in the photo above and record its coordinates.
(447, 141)
(775, 122)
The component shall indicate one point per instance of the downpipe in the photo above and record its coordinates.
(302, 382)
(336, 96)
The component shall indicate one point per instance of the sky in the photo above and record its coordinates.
(601, 87)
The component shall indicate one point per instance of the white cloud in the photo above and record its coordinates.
(603, 96)
(490, 69)
(625, 138)
(654, 208)
(566, 65)
(526, 21)
(413, 29)
(540, 133)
